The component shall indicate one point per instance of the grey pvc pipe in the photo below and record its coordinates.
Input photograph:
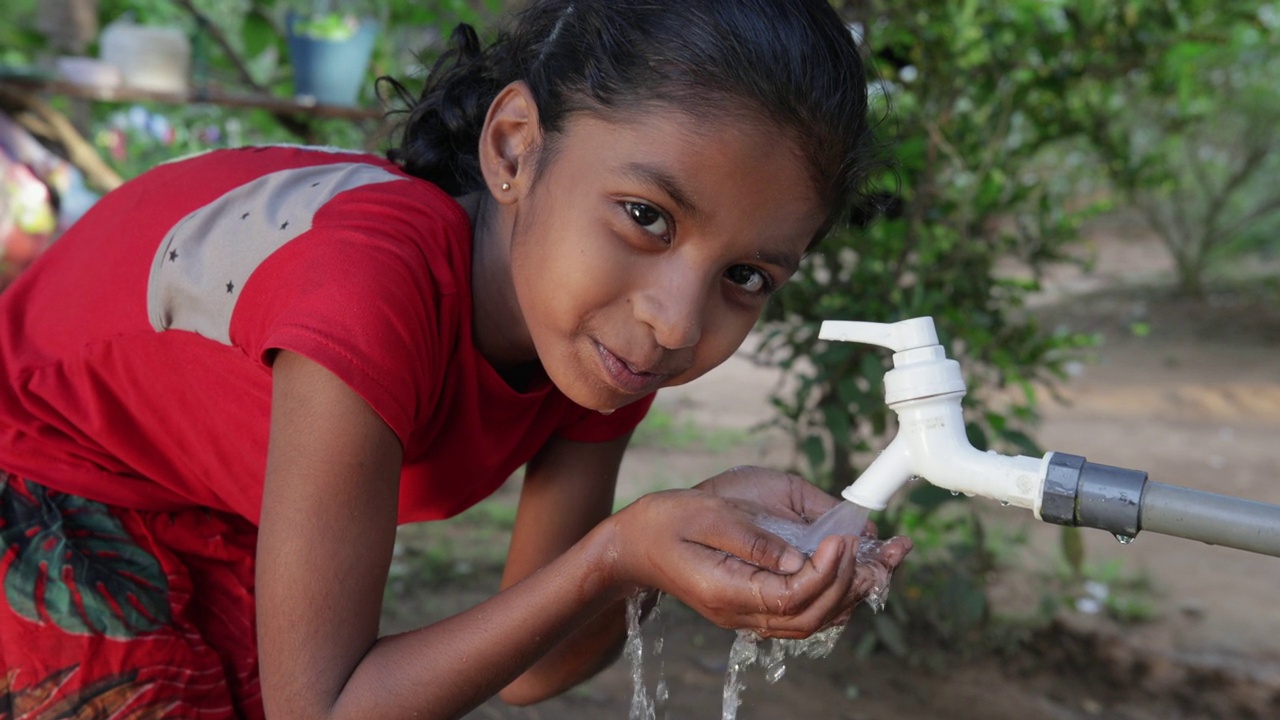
(1211, 518)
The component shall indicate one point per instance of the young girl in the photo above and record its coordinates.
(230, 381)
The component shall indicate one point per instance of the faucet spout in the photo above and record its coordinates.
(932, 444)
(925, 389)
(881, 481)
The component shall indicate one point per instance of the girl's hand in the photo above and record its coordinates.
(703, 546)
(779, 494)
(792, 498)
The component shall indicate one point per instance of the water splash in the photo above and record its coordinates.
(774, 662)
(747, 651)
(642, 706)
(845, 518)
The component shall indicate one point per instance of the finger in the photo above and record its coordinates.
(811, 598)
(833, 603)
(893, 551)
(769, 602)
(737, 535)
(785, 495)
(808, 500)
(875, 570)
(830, 552)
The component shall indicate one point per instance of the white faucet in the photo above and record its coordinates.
(925, 389)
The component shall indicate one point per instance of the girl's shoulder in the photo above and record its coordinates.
(248, 204)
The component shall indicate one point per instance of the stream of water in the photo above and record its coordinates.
(749, 649)
(644, 707)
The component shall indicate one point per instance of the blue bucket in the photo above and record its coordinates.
(331, 71)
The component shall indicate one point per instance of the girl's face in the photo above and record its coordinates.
(645, 250)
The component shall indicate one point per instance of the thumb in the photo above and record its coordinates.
(756, 546)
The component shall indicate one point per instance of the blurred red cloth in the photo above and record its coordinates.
(112, 612)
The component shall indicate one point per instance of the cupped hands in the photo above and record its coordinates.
(704, 545)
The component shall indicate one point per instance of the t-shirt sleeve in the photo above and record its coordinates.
(361, 304)
(597, 427)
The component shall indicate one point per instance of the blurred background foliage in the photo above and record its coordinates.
(238, 47)
(1005, 125)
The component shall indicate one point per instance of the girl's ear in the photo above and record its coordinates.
(509, 143)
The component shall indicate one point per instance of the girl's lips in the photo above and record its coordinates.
(621, 376)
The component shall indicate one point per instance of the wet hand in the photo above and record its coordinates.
(770, 492)
(791, 498)
(705, 547)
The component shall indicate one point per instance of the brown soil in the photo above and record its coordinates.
(1195, 402)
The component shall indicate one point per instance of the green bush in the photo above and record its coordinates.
(976, 188)
(979, 200)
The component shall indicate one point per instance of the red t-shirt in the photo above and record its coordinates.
(135, 354)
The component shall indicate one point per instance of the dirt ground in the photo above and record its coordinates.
(1190, 393)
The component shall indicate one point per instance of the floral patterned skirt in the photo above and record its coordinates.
(115, 613)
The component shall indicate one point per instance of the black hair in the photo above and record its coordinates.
(791, 62)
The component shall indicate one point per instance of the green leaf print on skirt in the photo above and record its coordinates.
(75, 565)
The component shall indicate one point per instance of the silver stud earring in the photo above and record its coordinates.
(506, 187)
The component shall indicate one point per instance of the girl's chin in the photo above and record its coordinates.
(600, 398)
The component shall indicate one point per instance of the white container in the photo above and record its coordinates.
(89, 72)
(149, 58)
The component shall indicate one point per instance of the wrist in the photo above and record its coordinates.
(608, 552)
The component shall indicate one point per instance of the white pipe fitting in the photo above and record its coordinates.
(925, 389)
(931, 444)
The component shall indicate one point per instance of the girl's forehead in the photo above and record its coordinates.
(697, 162)
(685, 144)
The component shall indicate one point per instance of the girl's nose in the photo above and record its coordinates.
(672, 305)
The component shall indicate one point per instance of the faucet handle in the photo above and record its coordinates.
(898, 337)
(921, 368)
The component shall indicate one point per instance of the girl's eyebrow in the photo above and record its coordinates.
(664, 181)
(783, 259)
(667, 183)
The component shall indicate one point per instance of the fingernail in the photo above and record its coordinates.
(792, 561)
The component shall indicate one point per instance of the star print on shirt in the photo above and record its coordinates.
(224, 242)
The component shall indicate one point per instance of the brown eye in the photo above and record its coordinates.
(648, 217)
(751, 280)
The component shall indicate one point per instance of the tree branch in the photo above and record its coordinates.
(290, 123)
(41, 119)
(219, 37)
(1263, 209)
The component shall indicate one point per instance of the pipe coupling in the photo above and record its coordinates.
(1111, 498)
(1061, 486)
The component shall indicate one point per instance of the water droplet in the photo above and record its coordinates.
(1124, 539)
(955, 493)
(1004, 503)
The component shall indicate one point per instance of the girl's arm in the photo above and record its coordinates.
(568, 489)
(325, 541)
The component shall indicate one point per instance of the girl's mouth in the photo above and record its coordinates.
(622, 375)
